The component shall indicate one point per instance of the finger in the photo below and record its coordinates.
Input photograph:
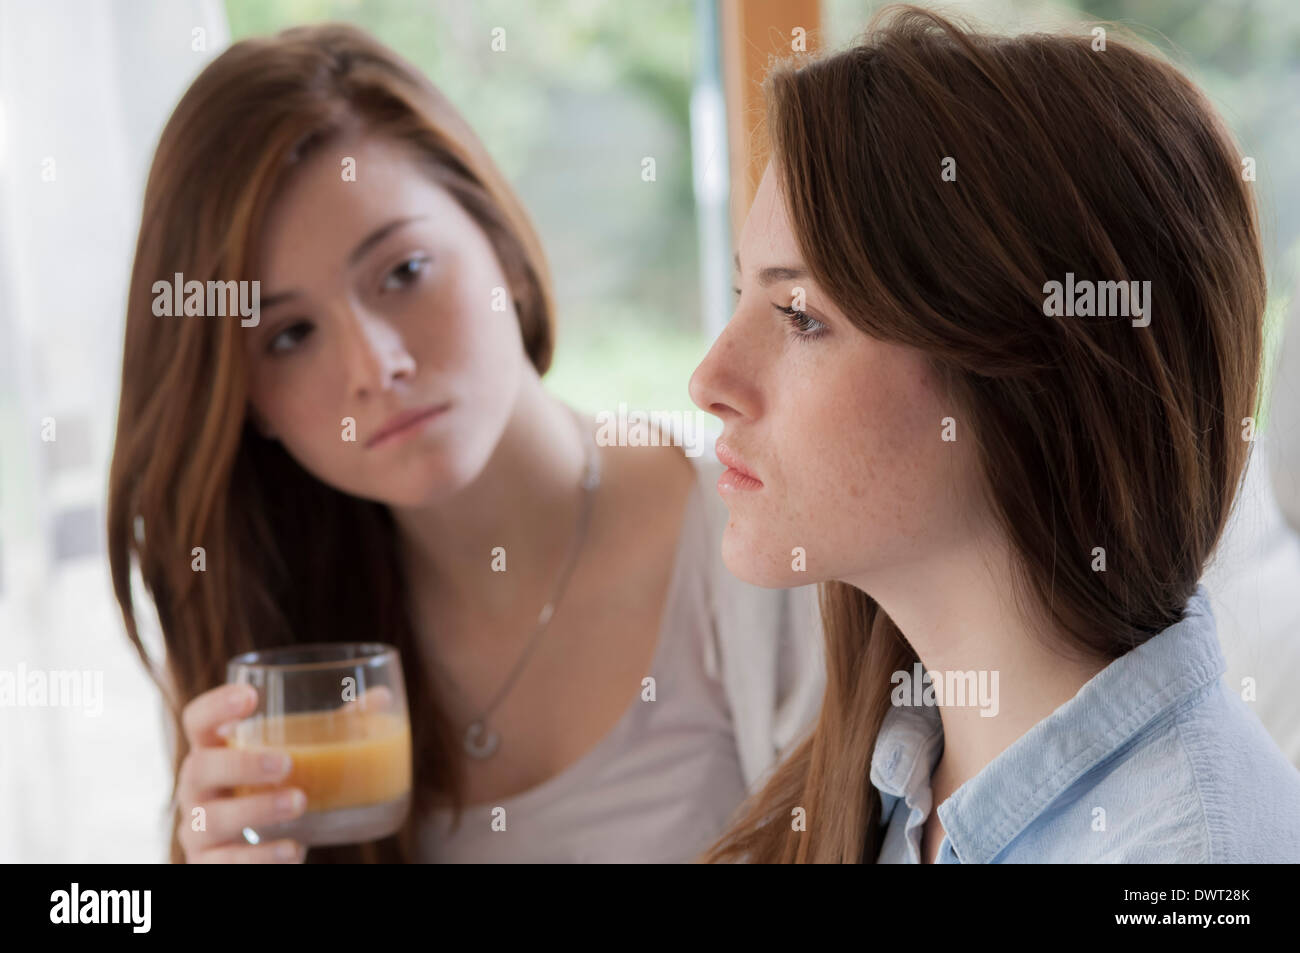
(269, 853)
(203, 715)
(209, 772)
(224, 818)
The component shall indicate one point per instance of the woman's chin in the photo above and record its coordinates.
(758, 564)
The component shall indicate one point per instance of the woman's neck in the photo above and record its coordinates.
(525, 501)
(958, 614)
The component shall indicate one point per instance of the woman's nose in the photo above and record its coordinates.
(376, 354)
(723, 384)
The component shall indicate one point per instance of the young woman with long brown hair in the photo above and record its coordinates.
(991, 485)
(352, 460)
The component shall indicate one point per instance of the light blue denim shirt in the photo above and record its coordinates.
(1154, 760)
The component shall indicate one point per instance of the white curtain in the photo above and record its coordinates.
(85, 87)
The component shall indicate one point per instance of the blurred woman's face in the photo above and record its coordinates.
(840, 433)
(394, 303)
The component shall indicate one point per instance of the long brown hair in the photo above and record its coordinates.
(1091, 432)
(289, 559)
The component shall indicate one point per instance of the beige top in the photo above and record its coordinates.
(660, 786)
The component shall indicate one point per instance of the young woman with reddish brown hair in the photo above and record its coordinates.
(352, 459)
(989, 485)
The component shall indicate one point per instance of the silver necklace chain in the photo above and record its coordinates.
(480, 740)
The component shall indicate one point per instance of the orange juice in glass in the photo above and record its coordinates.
(339, 711)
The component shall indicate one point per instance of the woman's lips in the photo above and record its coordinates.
(737, 476)
(405, 424)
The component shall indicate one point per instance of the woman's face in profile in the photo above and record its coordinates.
(389, 301)
(843, 431)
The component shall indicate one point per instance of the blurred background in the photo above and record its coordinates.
(584, 92)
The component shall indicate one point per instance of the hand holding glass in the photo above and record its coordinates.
(339, 711)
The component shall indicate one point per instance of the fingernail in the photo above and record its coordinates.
(240, 698)
(286, 851)
(275, 765)
(290, 802)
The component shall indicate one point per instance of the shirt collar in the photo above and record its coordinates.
(1119, 702)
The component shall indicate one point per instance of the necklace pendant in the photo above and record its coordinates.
(480, 740)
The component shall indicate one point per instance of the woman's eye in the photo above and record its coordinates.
(803, 325)
(288, 339)
(405, 273)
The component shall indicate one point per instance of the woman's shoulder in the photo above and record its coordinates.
(1210, 786)
(1249, 791)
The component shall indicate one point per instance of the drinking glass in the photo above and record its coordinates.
(338, 709)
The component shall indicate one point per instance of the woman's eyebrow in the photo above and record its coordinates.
(377, 236)
(771, 275)
(367, 243)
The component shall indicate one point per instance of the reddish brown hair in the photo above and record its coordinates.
(288, 558)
